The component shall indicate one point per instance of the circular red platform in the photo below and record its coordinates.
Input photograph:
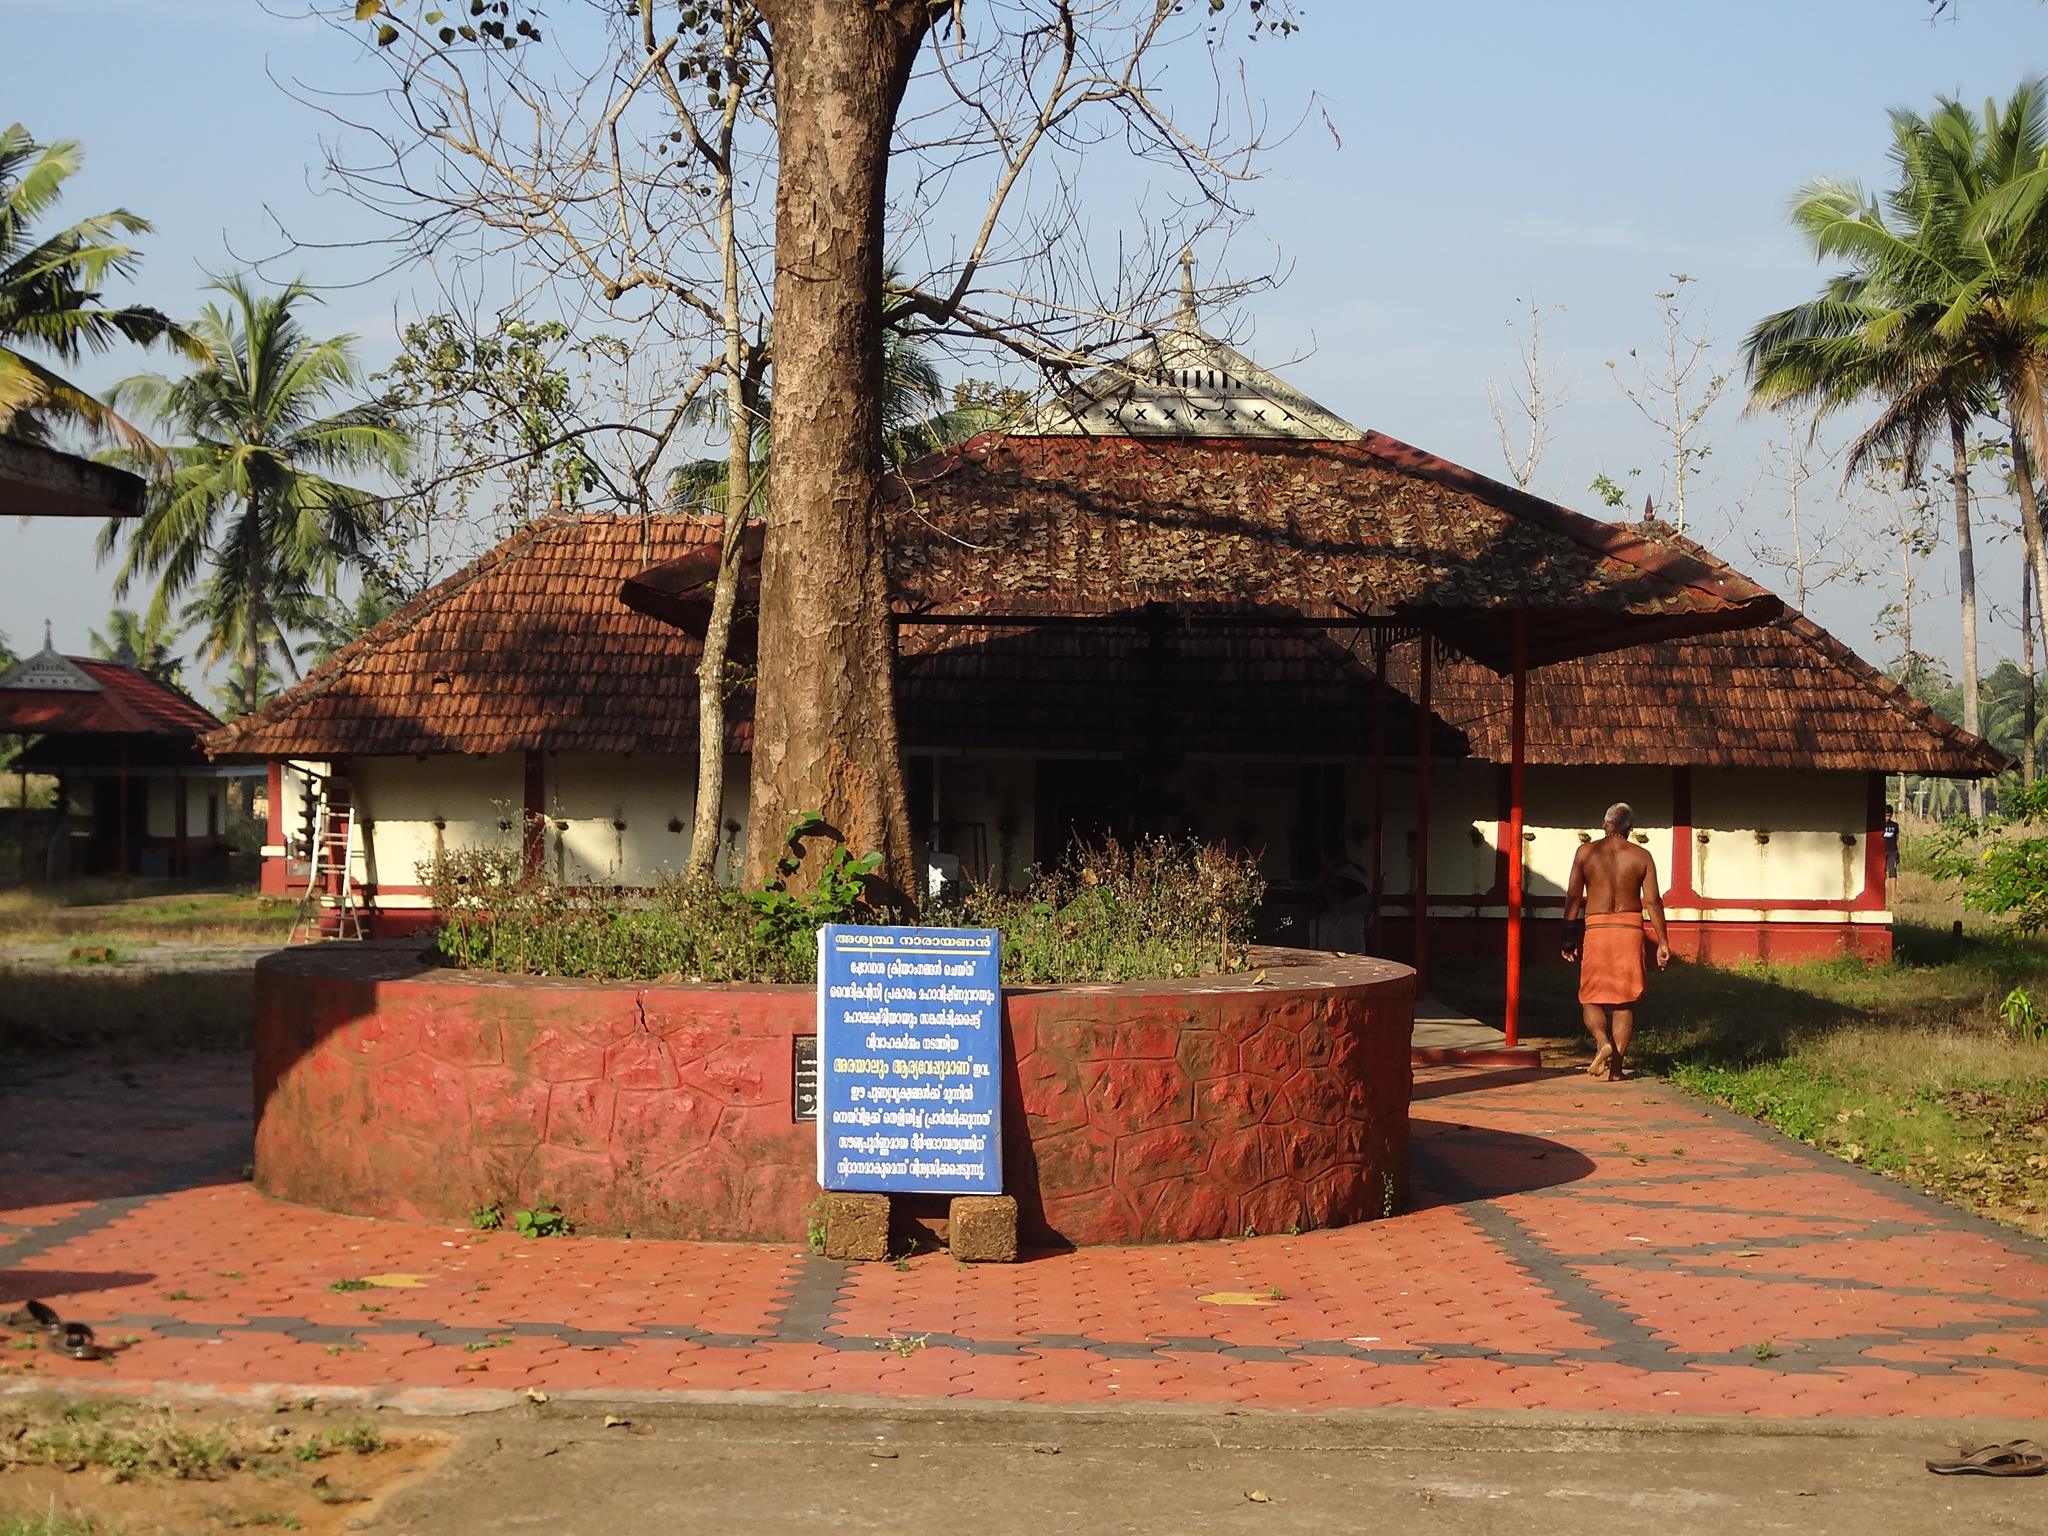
(1145, 1112)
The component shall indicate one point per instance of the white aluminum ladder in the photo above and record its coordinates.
(329, 909)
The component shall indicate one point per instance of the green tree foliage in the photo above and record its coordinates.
(2004, 873)
(50, 296)
(246, 513)
(500, 435)
(143, 644)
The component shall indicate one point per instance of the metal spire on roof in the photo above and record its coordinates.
(48, 643)
(1185, 320)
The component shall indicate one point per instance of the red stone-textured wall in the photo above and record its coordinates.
(1158, 1116)
(1163, 1112)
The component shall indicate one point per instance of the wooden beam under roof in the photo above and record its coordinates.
(41, 482)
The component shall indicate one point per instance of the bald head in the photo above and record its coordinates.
(1619, 820)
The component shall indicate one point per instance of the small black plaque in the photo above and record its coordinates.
(803, 1077)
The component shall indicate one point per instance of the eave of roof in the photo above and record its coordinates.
(40, 482)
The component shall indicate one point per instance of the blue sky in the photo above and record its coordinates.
(1580, 151)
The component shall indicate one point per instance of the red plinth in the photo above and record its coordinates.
(1154, 1112)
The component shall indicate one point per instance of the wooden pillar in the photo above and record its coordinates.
(180, 863)
(1424, 749)
(1518, 743)
(121, 814)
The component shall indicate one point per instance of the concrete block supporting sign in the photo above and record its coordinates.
(982, 1229)
(910, 1033)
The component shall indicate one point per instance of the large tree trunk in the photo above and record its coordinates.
(1966, 592)
(2028, 767)
(825, 732)
(2030, 525)
(252, 662)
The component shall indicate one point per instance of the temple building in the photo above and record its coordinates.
(135, 793)
(1183, 598)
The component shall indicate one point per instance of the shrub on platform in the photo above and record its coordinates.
(1117, 911)
(1110, 912)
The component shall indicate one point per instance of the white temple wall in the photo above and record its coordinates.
(1780, 834)
(1771, 837)
(408, 809)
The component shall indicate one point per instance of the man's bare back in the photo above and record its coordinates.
(1615, 874)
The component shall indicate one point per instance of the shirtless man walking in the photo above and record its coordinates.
(1613, 882)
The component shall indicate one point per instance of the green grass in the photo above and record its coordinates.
(103, 911)
(1905, 1068)
(53, 1522)
(156, 1445)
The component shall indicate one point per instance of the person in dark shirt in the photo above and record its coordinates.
(1891, 845)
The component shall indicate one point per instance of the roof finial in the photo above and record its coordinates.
(48, 643)
(1186, 318)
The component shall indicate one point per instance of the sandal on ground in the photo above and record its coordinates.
(2015, 1458)
(34, 1316)
(75, 1340)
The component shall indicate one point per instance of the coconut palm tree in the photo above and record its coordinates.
(143, 645)
(1869, 336)
(50, 296)
(247, 489)
(1944, 311)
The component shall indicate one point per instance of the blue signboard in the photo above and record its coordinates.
(910, 1034)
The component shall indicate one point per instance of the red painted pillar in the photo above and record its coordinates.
(275, 873)
(1876, 893)
(1419, 900)
(1518, 733)
(1679, 891)
(1379, 787)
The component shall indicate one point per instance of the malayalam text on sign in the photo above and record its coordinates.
(910, 1044)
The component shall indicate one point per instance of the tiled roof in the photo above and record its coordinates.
(1012, 526)
(531, 648)
(1785, 695)
(126, 702)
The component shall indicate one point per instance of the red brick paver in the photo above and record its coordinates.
(1568, 1245)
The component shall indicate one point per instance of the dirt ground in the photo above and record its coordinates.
(591, 1468)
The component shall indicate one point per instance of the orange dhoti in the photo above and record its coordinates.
(1611, 959)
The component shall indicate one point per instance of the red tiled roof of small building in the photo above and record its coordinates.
(128, 702)
(530, 647)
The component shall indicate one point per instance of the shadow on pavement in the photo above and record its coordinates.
(1450, 1163)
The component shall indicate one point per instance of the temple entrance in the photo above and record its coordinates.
(1082, 800)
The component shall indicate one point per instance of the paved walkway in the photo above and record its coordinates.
(1572, 1246)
